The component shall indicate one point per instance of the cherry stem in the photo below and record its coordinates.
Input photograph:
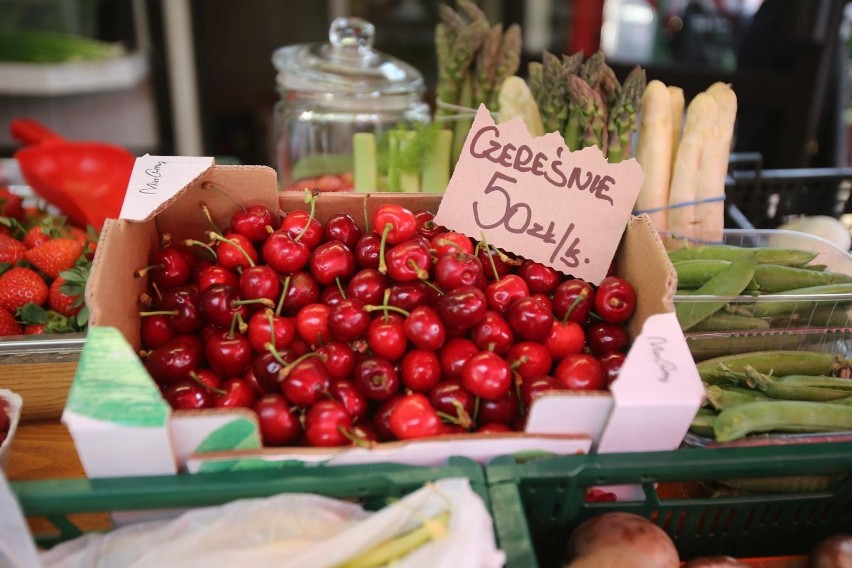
(286, 288)
(385, 308)
(475, 408)
(580, 297)
(157, 291)
(165, 240)
(421, 274)
(236, 320)
(213, 187)
(340, 286)
(434, 287)
(206, 211)
(160, 313)
(520, 361)
(366, 217)
(264, 301)
(490, 258)
(275, 354)
(357, 440)
(208, 248)
(194, 376)
(383, 267)
(269, 315)
(453, 244)
(145, 299)
(143, 271)
(311, 198)
(233, 243)
(463, 419)
(289, 366)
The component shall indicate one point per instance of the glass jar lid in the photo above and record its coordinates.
(347, 66)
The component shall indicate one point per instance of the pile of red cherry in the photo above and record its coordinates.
(334, 336)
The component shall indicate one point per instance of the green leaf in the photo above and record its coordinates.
(83, 318)
(33, 313)
(4, 266)
(239, 434)
(92, 234)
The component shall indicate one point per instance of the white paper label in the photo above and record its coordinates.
(156, 179)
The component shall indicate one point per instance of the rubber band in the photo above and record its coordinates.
(462, 111)
(679, 205)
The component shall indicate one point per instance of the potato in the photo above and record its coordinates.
(624, 533)
(833, 552)
(715, 562)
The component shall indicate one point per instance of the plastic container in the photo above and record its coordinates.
(783, 316)
(537, 504)
(371, 485)
(329, 92)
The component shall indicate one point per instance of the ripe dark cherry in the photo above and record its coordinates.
(331, 295)
(186, 302)
(452, 399)
(409, 295)
(453, 355)
(171, 267)
(234, 251)
(541, 279)
(367, 285)
(215, 274)
(488, 254)
(408, 261)
(603, 336)
(450, 242)
(228, 355)
(259, 282)
(312, 324)
(376, 378)
(217, 305)
(156, 331)
(615, 299)
(458, 269)
(265, 327)
(564, 339)
(302, 290)
(611, 363)
(502, 293)
(306, 382)
(463, 307)
(534, 387)
(327, 424)
(580, 372)
(530, 359)
(173, 361)
(342, 227)
(187, 395)
(503, 410)
(487, 375)
(367, 250)
(279, 426)
(339, 359)
(294, 223)
(426, 226)
(348, 321)
(238, 394)
(421, 370)
(414, 417)
(381, 419)
(285, 254)
(493, 333)
(386, 336)
(332, 260)
(353, 401)
(252, 222)
(529, 319)
(424, 328)
(576, 296)
(267, 368)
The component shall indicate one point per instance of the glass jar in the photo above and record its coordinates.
(329, 92)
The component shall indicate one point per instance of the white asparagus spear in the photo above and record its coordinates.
(654, 152)
(677, 102)
(516, 101)
(710, 217)
(700, 120)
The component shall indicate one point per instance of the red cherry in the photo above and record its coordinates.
(339, 359)
(238, 394)
(611, 363)
(295, 223)
(454, 354)
(364, 433)
(381, 419)
(493, 428)
(187, 395)
(367, 285)
(580, 372)
(215, 274)
(529, 359)
(564, 339)
(410, 295)
(156, 331)
(265, 327)
(493, 333)
(503, 410)
(408, 261)
(302, 290)
(353, 401)
(348, 321)
(228, 355)
(234, 251)
(386, 337)
(574, 297)
(502, 293)
(342, 227)
(463, 307)
(487, 375)
(425, 329)
(603, 336)
(376, 378)
(450, 398)
(327, 424)
(218, 305)
(312, 324)
(206, 378)
(305, 380)
(173, 361)
(544, 301)
(170, 267)
(331, 295)
(414, 417)
(182, 309)
(395, 222)
(450, 242)
(615, 299)
(529, 319)
(458, 269)
(421, 370)
(266, 368)
(259, 282)
(252, 222)
(278, 425)
(284, 253)
(426, 226)
(330, 261)
(492, 261)
(534, 387)
(367, 250)
(541, 279)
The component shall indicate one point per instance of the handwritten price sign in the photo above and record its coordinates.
(535, 198)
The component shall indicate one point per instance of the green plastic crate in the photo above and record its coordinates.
(537, 504)
(372, 485)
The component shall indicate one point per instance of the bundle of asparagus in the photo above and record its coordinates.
(685, 167)
(474, 58)
(583, 101)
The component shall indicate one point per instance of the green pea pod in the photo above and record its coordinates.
(729, 282)
(781, 416)
(822, 316)
(763, 255)
(696, 273)
(780, 363)
(782, 306)
(723, 321)
(724, 397)
(702, 424)
(773, 278)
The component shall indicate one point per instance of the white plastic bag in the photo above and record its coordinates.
(293, 531)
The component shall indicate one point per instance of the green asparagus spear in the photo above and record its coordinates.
(486, 66)
(571, 64)
(508, 62)
(553, 104)
(622, 116)
(586, 124)
(456, 44)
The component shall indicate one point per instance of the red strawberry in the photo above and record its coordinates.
(10, 205)
(59, 302)
(35, 236)
(11, 249)
(34, 329)
(8, 325)
(54, 256)
(20, 286)
(82, 237)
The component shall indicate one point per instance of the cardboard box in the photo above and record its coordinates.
(121, 426)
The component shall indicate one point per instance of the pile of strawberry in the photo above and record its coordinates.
(44, 265)
(335, 336)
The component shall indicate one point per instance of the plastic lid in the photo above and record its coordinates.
(347, 66)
